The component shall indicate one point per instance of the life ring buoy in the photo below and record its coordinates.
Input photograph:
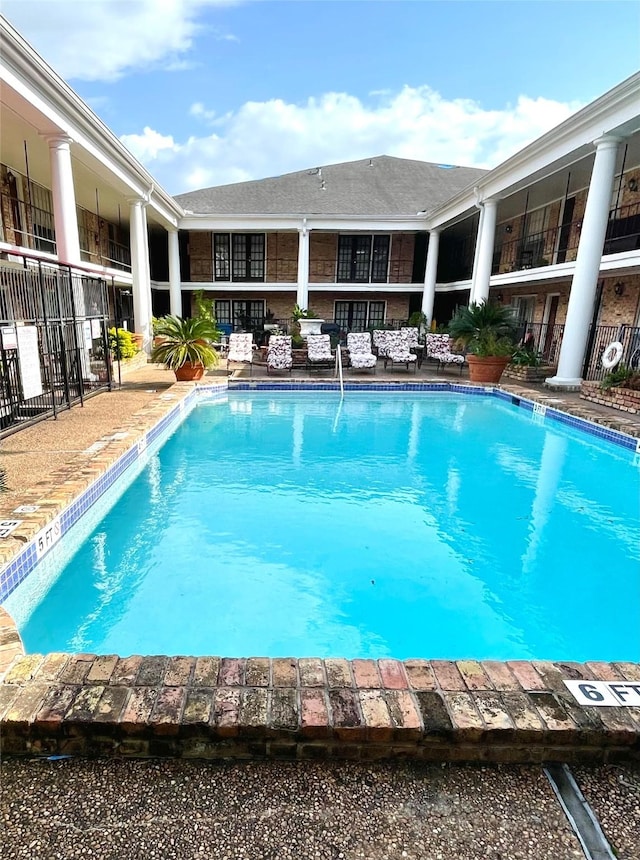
(612, 354)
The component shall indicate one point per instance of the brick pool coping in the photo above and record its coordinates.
(224, 707)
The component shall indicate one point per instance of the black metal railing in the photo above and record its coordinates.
(623, 229)
(53, 339)
(600, 337)
(543, 339)
(27, 225)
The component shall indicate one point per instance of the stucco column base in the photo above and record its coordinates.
(560, 384)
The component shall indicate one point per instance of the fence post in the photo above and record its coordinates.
(46, 337)
(63, 345)
(75, 339)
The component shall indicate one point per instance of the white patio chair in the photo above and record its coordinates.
(240, 350)
(397, 350)
(360, 354)
(279, 355)
(319, 351)
(438, 347)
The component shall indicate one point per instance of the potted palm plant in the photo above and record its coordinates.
(186, 346)
(488, 332)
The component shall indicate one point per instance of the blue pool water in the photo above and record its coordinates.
(432, 525)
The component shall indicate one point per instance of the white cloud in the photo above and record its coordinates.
(268, 138)
(104, 39)
(147, 146)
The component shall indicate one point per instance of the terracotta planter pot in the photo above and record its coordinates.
(189, 372)
(487, 369)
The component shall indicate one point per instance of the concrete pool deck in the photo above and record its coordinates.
(218, 707)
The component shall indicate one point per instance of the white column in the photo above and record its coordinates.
(429, 293)
(474, 267)
(587, 270)
(147, 263)
(140, 272)
(484, 253)
(175, 290)
(302, 295)
(64, 199)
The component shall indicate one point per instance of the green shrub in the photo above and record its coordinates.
(526, 356)
(618, 378)
(122, 343)
(185, 340)
(485, 329)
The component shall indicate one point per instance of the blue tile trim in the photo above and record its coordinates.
(23, 564)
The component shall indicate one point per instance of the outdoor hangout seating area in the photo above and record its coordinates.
(362, 352)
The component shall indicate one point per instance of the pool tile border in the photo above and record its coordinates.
(523, 398)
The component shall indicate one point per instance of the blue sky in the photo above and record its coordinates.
(206, 92)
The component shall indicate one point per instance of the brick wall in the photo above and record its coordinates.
(7, 211)
(201, 255)
(616, 310)
(323, 255)
(282, 258)
(401, 258)
(624, 399)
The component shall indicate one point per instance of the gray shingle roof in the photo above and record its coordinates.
(379, 187)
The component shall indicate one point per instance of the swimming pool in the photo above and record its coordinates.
(431, 525)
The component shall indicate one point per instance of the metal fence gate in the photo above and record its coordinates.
(54, 347)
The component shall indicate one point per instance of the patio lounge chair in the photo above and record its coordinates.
(397, 350)
(412, 334)
(438, 348)
(379, 339)
(360, 355)
(279, 355)
(319, 353)
(240, 350)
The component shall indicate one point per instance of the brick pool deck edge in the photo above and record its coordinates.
(220, 707)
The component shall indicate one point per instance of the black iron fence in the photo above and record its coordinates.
(53, 339)
(600, 337)
(543, 339)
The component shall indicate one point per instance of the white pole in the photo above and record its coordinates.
(485, 252)
(587, 270)
(64, 199)
(428, 296)
(175, 291)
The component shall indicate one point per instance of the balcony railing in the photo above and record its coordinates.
(623, 229)
(560, 244)
(26, 225)
(119, 257)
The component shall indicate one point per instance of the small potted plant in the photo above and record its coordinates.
(488, 332)
(186, 346)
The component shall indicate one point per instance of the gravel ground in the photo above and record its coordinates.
(279, 811)
(613, 792)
